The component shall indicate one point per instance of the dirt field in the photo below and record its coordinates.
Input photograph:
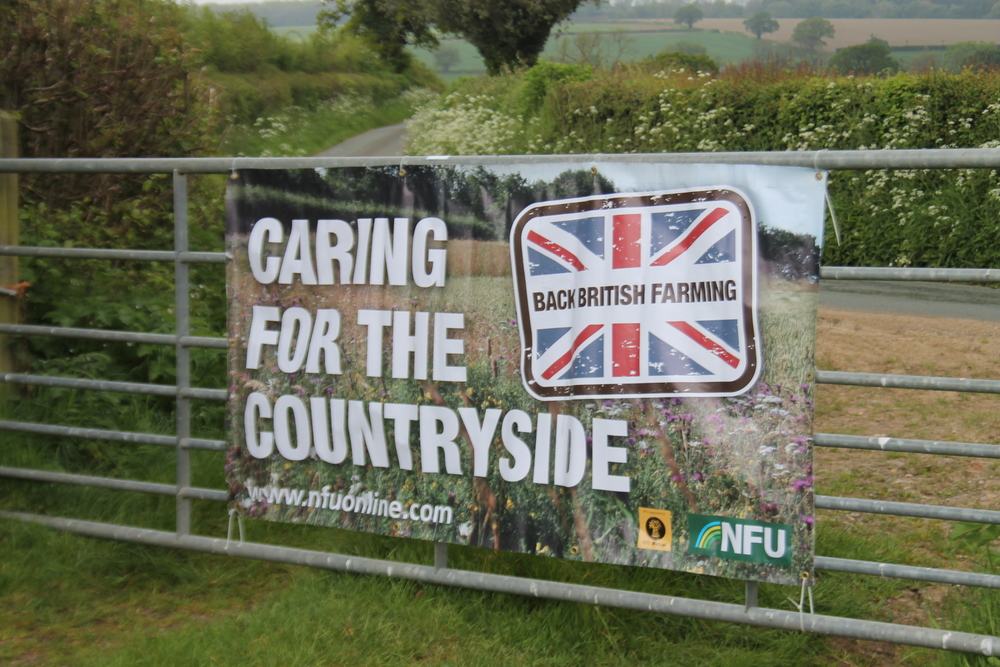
(898, 32)
(874, 342)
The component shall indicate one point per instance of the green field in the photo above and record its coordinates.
(724, 47)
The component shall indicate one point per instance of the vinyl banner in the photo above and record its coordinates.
(593, 361)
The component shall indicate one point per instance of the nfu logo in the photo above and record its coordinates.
(740, 539)
(649, 294)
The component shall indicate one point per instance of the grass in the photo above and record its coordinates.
(91, 602)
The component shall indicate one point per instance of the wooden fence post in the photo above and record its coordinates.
(9, 310)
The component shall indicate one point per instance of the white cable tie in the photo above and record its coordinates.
(802, 604)
(229, 531)
(816, 157)
(833, 217)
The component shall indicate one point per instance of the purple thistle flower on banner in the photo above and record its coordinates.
(801, 484)
(804, 387)
(807, 519)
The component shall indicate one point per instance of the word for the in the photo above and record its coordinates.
(303, 339)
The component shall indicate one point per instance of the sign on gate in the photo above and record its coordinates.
(606, 362)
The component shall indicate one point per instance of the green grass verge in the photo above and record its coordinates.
(302, 132)
(92, 602)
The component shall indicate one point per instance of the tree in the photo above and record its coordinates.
(809, 34)
(446, 57)
(389, 26)
(596, 49)
(871, 57)
(688, 15)
(507, 33)
(976, 56)
(678, 60)
(90, 78)
(760, 23)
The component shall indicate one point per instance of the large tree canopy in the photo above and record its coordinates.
(871, 57)
(688, 15)
(389, 26)
(508, 33)
(809, 34)
(760, 23)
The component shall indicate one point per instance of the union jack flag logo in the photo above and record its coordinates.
(637, 295)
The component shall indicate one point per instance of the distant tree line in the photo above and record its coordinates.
(830, 9)
(280, 13)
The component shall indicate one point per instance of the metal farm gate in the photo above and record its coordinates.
(184, 441)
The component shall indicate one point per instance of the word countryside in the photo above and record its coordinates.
(333, 429)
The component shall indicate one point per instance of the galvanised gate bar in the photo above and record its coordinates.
(183, 393)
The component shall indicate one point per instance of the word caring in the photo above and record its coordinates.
(335, 256)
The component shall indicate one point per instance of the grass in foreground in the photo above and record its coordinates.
(68, 598)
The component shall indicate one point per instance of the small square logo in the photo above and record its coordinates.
(655, 530)
(649, 294)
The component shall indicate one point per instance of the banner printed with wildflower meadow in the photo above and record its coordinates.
(602, 362)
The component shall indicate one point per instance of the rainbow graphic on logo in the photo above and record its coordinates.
(710, 535)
